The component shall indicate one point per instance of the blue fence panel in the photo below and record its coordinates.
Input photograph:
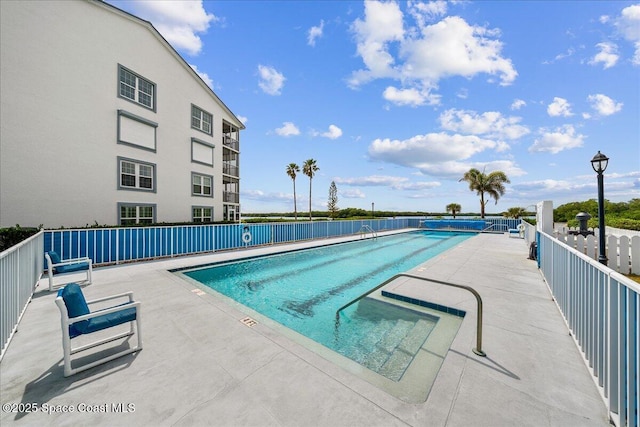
(116, 245)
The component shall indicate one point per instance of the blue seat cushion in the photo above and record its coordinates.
(105, 321)
(72, 267)
(55, 258)
(76, 306)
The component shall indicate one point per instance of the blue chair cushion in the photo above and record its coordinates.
(76, 306)
(55, 258)
(108, 320)
(72, 267)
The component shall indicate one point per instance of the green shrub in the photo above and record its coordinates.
(11, 236)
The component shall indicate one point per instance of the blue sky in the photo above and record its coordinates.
(396, 100)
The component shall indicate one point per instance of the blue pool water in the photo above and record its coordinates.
(303, 289)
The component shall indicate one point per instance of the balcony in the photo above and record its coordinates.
(229, 169)
(229, 197)
(229, 142)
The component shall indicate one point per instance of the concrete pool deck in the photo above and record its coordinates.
(202, 366)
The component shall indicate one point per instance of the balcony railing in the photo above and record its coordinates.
(232, 143)
(230, 170)
(230, 197)
(21, 267)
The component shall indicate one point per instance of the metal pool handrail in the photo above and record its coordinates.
(478, 349)
(366, 228)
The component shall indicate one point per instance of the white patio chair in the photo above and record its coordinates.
(77, 320)
(517, 232)
(58, 267)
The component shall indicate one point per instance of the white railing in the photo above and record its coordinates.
(623, 250)
(20, 270)
(602, 310)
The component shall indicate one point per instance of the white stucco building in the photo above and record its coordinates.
(102, 121)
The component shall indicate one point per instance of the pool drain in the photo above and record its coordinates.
(248, 321)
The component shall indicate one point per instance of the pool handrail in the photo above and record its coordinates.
(478, 349)
(366, 228)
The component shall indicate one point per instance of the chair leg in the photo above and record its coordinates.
(138, 330)
(50, 274)
(66, 349)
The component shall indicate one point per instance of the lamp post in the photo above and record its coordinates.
(599, 164)
(372, 210)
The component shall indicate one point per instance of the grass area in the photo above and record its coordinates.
(634, 277)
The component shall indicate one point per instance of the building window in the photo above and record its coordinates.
(132, 214)
(136, 89)
(136, 131)
(202, 152)
(136, 175)
(201, 120)
(202, 214)
(202, 185)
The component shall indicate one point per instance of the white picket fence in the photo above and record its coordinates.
(623, 248)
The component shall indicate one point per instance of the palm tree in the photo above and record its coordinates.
(516, 212)
(292, 171)
(481, 183)
(454, 208)
(310, 168)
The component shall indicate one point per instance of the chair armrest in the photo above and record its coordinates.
(71, 261)
(110, 297)
(109, 310)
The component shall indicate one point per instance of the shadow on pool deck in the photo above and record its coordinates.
(202, 366)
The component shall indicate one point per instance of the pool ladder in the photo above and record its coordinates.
(477, 350)
(367, 229)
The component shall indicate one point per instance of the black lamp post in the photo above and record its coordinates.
(372, 210)
(599, 164)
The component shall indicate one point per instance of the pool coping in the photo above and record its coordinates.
(201, 364)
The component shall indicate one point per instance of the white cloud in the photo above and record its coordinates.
(243, 119)
(352, 193)
(608, 55)
(417, 186)
(427, 12)
(372, 181)
(412, 97)
(334, 132)
(456, 169)
(604, 105)
(288, 129)
(562, 138)
(271, 81)
(204, 76)
(518, 104)
(382, 24)
(437, 154)
(262, 196)
(450, 47)
(559, 107)
(395, 182)
(315, 33)
(420, 57)
(178, 21)
(490, 123)
(628, 23)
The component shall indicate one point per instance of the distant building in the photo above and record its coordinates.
(102, 121)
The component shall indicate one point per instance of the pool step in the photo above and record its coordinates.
(403, 354)
(391, 356)
(402, 333)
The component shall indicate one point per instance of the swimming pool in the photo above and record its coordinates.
(303, 289)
